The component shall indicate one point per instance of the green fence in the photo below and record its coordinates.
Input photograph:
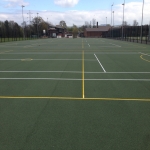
(130, 33)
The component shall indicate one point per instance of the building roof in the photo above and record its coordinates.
(100, 28)
(58, 26)
(52, 29)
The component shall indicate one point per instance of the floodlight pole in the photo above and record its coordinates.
(47, 26)
(113, 23)
(123, 19)
(29, 21)
(149, 32)
(37, 26)
(23, 20)
(111, 18)
(142, 21)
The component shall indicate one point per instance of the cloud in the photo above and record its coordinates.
(133, 11)
(66, 3)
(15, 3)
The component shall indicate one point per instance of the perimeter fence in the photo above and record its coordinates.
(136, 34)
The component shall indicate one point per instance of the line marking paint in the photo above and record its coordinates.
(144, 58)
(82, 44)
(89, 45)
(100, 63)
(115, 45)
(144, 54)
(75, 98)
(83, 96)
(75, 72)
(29, 59)
(73, 79)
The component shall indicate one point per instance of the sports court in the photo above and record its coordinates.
(75, 94)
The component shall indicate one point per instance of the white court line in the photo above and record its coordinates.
(68, 53)
(115, 45)
(118, 72)
(89, 45)
(144, 54)
(72, 79)
(100, 63)
(74, 72)
(31, 59)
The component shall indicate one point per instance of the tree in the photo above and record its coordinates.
(94, 22)
(75, 31)
(135, 23)
(87, 24)
(63, 24)
(125, 23)
(37, 20)
(6, 28)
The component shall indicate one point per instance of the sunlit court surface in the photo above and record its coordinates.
(75, 94)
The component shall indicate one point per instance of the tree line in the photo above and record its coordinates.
(11, 29)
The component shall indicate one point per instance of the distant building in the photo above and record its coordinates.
(100, 31)
(56, 31)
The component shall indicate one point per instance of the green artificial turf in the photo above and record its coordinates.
(74, 94)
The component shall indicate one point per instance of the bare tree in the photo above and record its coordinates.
(94, 22)
(63, 24)
(125, 23)
(135, 23)
(87, 24)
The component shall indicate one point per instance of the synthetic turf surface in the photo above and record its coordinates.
(74, 94)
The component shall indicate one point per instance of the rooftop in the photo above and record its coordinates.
(100, 28)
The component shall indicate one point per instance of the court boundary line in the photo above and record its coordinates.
(24, 59)
(73, 79)
(75, 98)
(115, 45)
(83, 94)
(100, 63)
(74, 72)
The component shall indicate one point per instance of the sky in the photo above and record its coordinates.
(76, 11)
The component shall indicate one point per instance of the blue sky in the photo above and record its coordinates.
(75, 11)
(51, 6)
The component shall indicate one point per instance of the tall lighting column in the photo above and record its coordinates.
(23, 20)
(113, 23)
(142, 21)
(123, 19)
(111, 18)
(37, 26)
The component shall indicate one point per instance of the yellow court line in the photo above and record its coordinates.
(83, 96)
(75, 98)
(82, 44)
(144, 59)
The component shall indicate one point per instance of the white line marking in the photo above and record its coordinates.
(100, 63)
(144, 54)
(89, 45)
(71, 79)
(75, 72)
(68, 53)
(115, 45)
(47, 59)
(41, 71)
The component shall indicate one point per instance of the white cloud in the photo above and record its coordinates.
(66, 3)
(132, 11)
(15, 3)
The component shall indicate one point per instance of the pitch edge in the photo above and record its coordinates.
(74, 98)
